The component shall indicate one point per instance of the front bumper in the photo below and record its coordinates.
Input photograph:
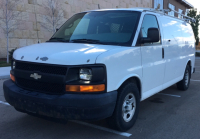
(67, 106)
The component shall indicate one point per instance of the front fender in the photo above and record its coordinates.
(121, 64)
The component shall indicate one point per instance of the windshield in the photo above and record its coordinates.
(100, 27)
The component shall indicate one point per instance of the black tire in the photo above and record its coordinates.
(116, 121)
(182, 85)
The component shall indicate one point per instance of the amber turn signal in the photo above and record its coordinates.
(12, 77)
(85, 88)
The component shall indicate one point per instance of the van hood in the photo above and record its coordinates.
(61, 53)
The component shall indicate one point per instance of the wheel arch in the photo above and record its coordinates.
(136, 79)
(189, 62)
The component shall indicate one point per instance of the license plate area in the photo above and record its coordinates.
(30, 106)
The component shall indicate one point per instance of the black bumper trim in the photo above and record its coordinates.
(66, 106)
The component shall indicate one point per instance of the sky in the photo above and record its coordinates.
(195, 3)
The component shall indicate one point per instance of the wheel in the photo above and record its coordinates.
(126, 109)
(185, 83)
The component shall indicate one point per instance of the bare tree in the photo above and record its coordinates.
(54, 16)
(9, 18)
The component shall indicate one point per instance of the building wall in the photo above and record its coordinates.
(26, 32)
(176, 4)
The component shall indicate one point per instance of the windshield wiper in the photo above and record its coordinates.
(85, 40)
(93, 42)
(58, 40)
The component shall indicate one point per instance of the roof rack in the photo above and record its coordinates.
(164, 11)
(186, 18)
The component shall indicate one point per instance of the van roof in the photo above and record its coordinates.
(124, 9)
(138, 9)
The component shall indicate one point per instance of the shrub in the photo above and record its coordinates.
(11, 53)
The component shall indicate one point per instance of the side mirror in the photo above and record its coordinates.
(153, 35)
(57, 29)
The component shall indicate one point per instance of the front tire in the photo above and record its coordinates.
(185, 83)
(127, 108)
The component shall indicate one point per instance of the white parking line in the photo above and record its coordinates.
(169, 95)
(91, 125)
(1, 102)
(195, 80)
(104, 129)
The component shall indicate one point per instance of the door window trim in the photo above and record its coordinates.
(139, 35)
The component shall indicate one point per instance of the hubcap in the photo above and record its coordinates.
(128, 108)
(187, 76)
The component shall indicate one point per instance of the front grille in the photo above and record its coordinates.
(43, 68)
(50, 88)
(43, 85)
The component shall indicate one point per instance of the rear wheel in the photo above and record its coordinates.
(185, 83)
(127, 108)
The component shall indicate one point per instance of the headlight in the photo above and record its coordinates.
(85, 74)
(13, 65)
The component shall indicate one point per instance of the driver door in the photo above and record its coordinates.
(152, 59)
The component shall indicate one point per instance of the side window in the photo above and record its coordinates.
(150, 21)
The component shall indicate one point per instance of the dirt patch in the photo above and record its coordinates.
(3, 62)
(3, 59)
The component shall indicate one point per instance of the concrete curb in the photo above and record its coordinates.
(5, 72)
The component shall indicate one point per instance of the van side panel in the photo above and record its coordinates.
(179, 46)
(173, 43)
(188, 50)
(121, 64)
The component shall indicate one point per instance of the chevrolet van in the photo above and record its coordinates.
(101, 64)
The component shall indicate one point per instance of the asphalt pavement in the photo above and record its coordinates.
(170, 114)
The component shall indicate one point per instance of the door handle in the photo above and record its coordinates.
(163, 53)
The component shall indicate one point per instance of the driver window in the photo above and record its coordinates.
(149, 21)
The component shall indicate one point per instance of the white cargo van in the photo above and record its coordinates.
(101, 64)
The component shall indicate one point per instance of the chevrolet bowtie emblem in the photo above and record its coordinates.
(36, 76)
